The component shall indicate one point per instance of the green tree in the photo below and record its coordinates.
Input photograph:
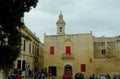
(11, 12)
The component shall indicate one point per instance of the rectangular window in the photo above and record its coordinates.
(37, 51)
(23, 65)
(51, 50)
(83, 68)
(29, 47)
(24, 45)
(33, 48)
(19, 64)
(68, 50)
(103, 51)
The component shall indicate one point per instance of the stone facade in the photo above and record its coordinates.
(80, 47)
(80, 53)
(31, 48)
(71, 53)
(106, 55)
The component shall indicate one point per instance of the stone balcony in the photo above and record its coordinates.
(67, 56)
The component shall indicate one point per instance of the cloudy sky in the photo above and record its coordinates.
(102, 17)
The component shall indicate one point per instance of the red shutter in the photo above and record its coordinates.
(52, 50)
(68, 50)
(83, 68)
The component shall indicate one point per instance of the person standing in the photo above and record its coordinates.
(18, 77)
(39, 75)
(96, 77)
(42, 75)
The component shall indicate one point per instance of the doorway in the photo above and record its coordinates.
(68, 69)
(52, 71)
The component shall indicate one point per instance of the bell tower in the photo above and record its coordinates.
(60, 25)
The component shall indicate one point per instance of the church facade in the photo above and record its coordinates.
(67, 52)
(80, 53)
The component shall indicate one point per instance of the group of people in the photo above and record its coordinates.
(40, 75)
(14, 77)
(93, 76)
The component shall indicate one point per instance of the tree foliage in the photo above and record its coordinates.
(8, 58)
(11, 12)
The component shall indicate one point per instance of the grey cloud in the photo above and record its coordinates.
(99, 16)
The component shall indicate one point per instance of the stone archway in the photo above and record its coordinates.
(68, 69)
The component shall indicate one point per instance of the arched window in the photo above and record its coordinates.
(60, 29)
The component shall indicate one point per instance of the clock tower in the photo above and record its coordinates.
(60, 25)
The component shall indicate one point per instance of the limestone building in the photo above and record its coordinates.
(80, 53)
(106, 55)
(67, 52)
(30, 52)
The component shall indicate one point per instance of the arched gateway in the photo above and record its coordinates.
(68, 69)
